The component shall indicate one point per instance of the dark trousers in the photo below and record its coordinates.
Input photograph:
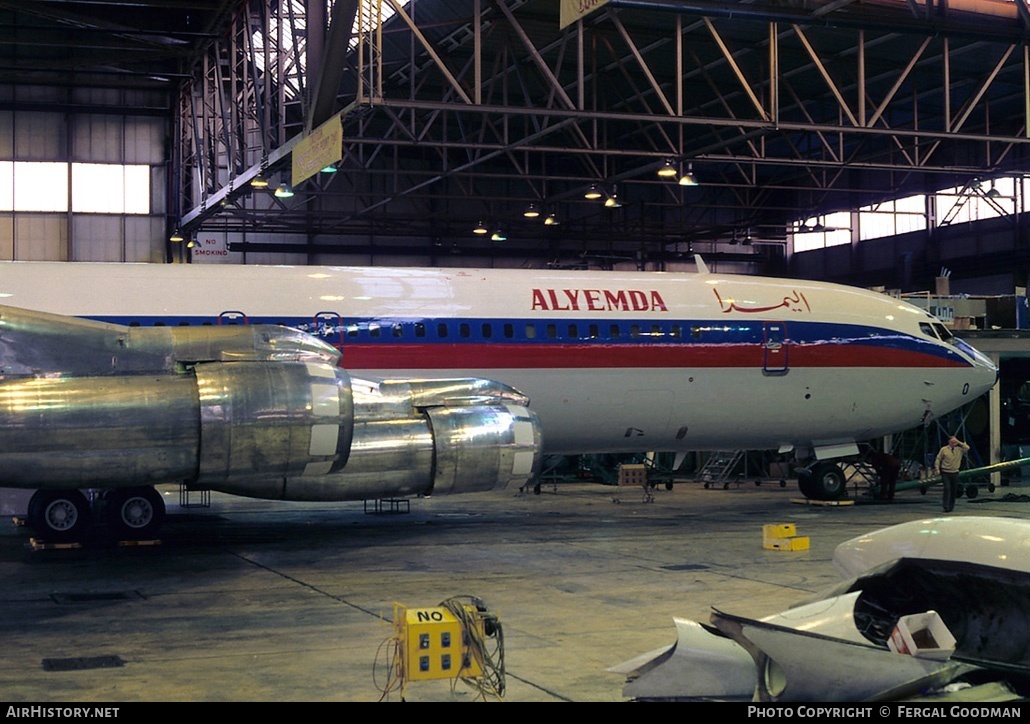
(950, 483)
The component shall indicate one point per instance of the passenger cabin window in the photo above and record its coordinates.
(398, 330)
(613, 331)
(573, 331)
(509, 331)
(488, 330)
(420, 329)
(464, 330)
(552, 331)
(441, 330)
(595, 332)
(530, 331)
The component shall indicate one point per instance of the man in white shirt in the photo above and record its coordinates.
(947, 464)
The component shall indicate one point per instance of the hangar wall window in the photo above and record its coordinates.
(818, 232)
(107, 188)
(96, 188)
(32, 186)
(890, 218)
(977, 200)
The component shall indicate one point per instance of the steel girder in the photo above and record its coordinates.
(465, 110)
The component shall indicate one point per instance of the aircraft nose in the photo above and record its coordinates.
(985, 372)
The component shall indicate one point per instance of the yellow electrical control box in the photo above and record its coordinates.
(436, 645)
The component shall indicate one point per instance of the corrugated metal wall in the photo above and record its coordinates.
(86, 138)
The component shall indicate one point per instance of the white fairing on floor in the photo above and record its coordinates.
(978, 540)
(702, 663)
(974, 573)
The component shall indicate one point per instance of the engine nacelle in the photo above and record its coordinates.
(272, 420)
(280, 430)
(414, 437)
(220, 422)
(443, 450)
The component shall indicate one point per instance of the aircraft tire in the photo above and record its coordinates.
(805, 485)
(61, 516)
(972, 491)
(135, 513)
(828, 482)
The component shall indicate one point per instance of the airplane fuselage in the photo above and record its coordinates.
(611, 361)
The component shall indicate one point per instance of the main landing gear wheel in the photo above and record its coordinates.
(61, 516)
(826, 481)
(135, 513)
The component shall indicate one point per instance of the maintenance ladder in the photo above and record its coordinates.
(718, 468)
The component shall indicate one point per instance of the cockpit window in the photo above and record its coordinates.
(938, 330)
(943, 332)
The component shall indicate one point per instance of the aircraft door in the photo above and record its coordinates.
(776, 349)
(328, 326)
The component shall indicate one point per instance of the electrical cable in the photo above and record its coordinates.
(485, 636)
(393, 682)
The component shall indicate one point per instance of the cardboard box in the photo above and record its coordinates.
(924, 635)
(632, 474)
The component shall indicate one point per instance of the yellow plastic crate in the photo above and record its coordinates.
(797, 543)
(779, 530)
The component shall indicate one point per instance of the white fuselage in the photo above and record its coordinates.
(610, 361)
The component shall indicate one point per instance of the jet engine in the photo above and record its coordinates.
(259, 411)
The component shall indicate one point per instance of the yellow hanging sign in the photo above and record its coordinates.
(573, 10)
(320, 148)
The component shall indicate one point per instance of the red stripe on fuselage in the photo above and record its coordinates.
(600, 356)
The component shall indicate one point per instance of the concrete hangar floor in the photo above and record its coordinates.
(249, 600)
